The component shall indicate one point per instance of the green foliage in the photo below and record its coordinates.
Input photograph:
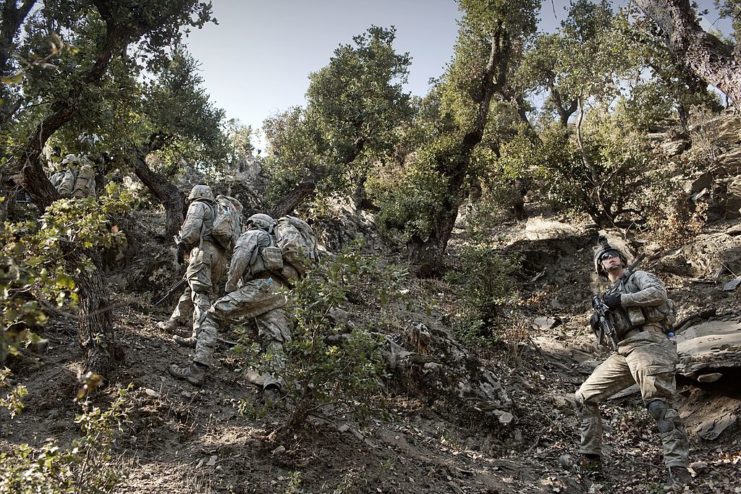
(731, 9)
(295, 150)
(18, 310)
(602, 177)
(13, 401)
(411, 198)
(353, 107)
(331, 367)
(85, 466)
(115, 70)
(484, 284)
(649, 105)
(33, 272)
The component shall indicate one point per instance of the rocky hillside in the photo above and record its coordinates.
(496, 419)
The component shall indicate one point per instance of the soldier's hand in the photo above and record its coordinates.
(612, 300)
(180, 254)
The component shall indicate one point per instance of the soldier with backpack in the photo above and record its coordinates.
(206, 261)
(75, 178)
(256, 273)
(641, 316)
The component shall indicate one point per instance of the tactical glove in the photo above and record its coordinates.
(180, 254)
(612, 300)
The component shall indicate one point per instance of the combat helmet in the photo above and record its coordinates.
(604, 247)
(202, 192)
(262, 221)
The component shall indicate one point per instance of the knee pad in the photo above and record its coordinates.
(663, 414)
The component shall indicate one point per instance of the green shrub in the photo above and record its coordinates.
(331, 367)
(85, 466)
(34, 273)
(13, 401)
(484, 283)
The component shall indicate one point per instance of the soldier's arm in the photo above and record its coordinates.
(239, 263)
(190, 232)
(652, 291)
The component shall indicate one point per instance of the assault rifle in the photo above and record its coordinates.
(174, 288)
(606, 328)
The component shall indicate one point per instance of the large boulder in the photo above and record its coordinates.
(708, 255)
(709, 348)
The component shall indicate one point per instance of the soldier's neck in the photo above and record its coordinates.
(615, 274)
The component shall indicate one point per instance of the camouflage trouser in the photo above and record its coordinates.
(648, 358)
(206, 268)
(257, 300)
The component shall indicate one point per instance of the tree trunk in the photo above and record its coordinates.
(702, 53)
(166, 192)
(95, 335)
(290, 201)
(95, 320)
(564, 111)
(427, 254)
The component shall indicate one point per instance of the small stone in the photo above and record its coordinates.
(343, 428)
(709, 378)
(732, 285)
(546, 322)
(151, 393)
(566, 461)
(506, 418)
(518, 436)
(279, 450)
(211, 461)
(699, 466)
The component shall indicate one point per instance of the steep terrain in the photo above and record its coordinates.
(181, 439)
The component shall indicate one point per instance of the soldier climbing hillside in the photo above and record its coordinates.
(252, 293)
(206, 262)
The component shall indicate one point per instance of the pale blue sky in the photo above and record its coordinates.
(256, 61)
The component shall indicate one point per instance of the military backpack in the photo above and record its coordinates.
(227, 223)
(297, 244)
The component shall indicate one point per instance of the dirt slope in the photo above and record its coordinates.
(181, 439)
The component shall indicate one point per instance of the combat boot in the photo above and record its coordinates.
(678, 479)
(193, 373)
(189, 341)
(168, 326)
(591, 466)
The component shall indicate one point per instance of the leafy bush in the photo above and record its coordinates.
(332, 367)
(13, 401)
(484, 281)
(412, 198)
(85, 466)
(34, 274)
(602, 176)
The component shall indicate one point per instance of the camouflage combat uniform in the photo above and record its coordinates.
(645, 356)
(85, 181)
(206, 264)
(253, 293)
(72, 181)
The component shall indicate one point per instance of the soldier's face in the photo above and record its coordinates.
(610, 260)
